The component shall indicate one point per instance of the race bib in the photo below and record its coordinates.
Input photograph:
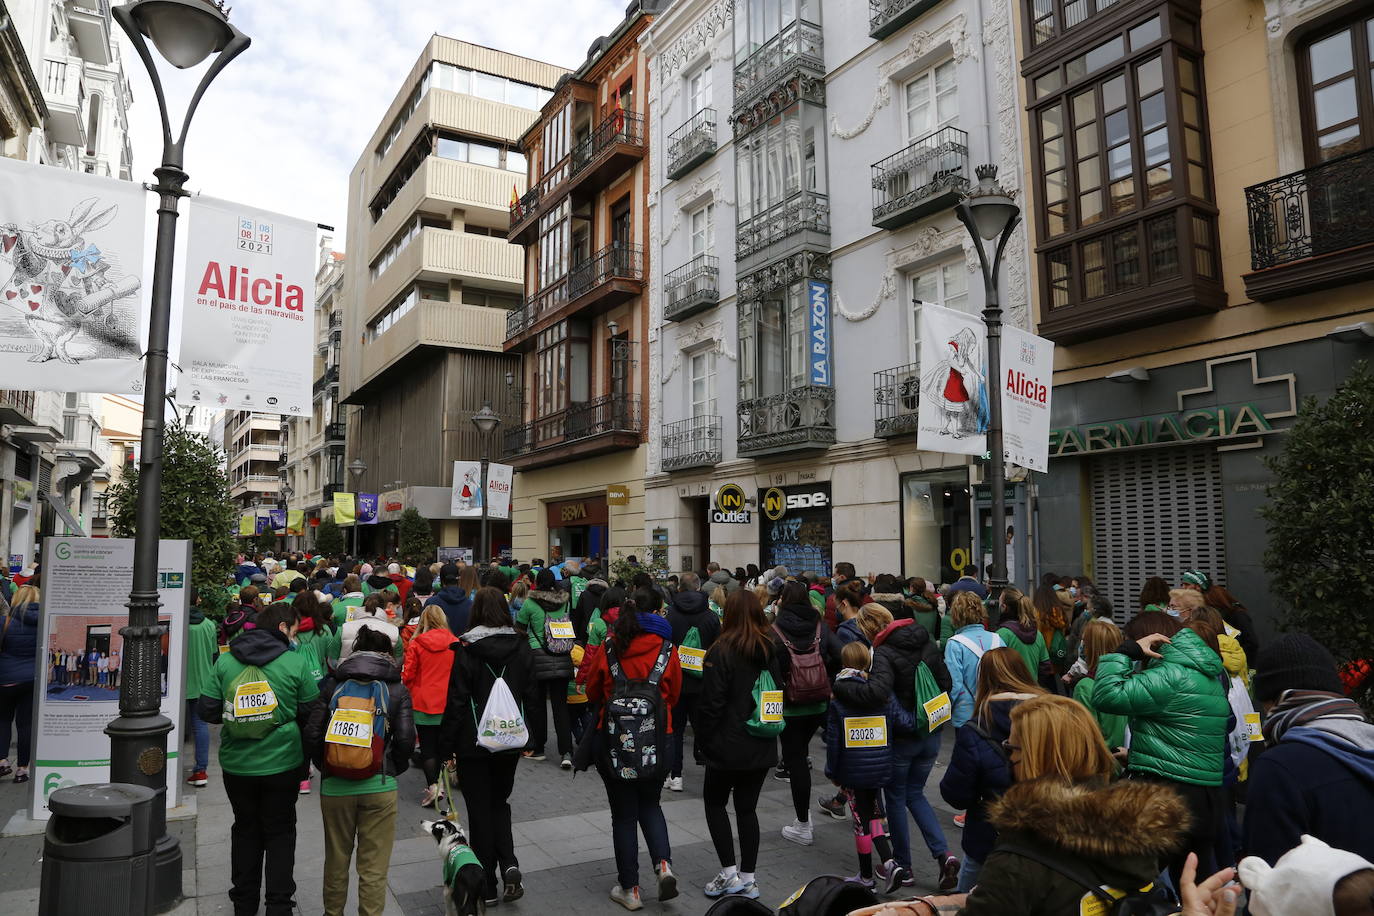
(223, 649)
(1252, 727)
(351, 727)
(561, 629)
(690, 659)
(938, 711)
(865, 731)
(1093, 905)
(254, 699)
(771, 703)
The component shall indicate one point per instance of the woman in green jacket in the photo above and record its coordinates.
(1101, 637)
(1170, 689)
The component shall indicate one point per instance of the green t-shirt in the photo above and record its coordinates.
(427, 718)
(341, 606)
(291, 681)
(1033, 654)
(596, 630)
(202, 647)
(380, 782)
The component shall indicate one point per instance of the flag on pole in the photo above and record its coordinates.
(619, 112)
(514, 201)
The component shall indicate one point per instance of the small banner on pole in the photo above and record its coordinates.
(953, 407)
(246, 523)
(499, 478)
(295, 521)
(343, 509)
(367, 508)
(1028, 362)
(466, 496)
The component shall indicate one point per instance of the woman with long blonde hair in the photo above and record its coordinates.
(1100, 637)
(964, 650)
(428, 662)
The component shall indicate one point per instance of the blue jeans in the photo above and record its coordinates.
(968, 875)
(634, 804)
(912, 762)
(201, 729)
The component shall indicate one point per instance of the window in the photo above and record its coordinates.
(471, 151)
(699, 90)
(515, 162)
(553, 244)
(777, 160)
(402, 304)
(941, 284)
(489, 300)
(772, 340)
(758, 21)
(931, 101)
(702, 374)
(557, 132)
(1050, 18)
(1336, 68)
(71, 400)
(93, 125)
(562, 367)
(701, 221)
(69, 428)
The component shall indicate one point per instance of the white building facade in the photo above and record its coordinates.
(807, 160)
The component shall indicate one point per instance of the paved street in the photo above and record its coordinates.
(562, 832)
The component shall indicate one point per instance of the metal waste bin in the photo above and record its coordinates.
(98, 851)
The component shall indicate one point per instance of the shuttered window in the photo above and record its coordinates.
(1156, 512)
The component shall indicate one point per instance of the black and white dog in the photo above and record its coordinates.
(463, 874)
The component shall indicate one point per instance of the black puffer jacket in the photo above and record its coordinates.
(367, 666)
(897, 650)
(692, 609)
(726, 703)
(895, 602)
(479, 658)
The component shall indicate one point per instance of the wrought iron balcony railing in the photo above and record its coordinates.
(692, 288)
(330, 489)
(330, 376)
(895, 393)
(517, 320)
(887, 16)
(927, 176)
(617, 127)
(800, 418)
(805, 211)
(612, 413)
(692, 443)
(1317, 211)
(335, 432)
(797, 45)
(692, 143)
(614, 262)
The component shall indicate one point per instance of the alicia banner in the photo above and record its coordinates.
(71, 280)
(953, 407)
(248, 327)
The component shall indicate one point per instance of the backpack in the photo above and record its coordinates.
(359, 723)
(933, 707)
(766, 722)
(808, 681)
(637, 720)
(690, 655)
(501, 727)
(251, 710)
(559, 636)
(1151, 900)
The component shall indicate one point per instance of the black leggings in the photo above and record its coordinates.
(429, 753)
(715, 792)
(796, 741)
(16, 704)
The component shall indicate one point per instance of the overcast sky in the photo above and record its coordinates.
(283, 125)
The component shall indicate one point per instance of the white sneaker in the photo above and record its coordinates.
(799, 832)
(667, 881)
(673, 783)
(628, 897)
(720, 884)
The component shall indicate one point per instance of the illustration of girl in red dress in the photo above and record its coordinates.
(957, 385)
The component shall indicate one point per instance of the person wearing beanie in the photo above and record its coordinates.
(1197, 579)
(1312, 879)
(1317, 775)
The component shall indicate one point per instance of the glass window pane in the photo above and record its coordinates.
(1090, 207)
(1152, 112)
(521, 94)
(1114, 93)
(486, 86)
(1058, 262)
(1335, 104)
(1090, 172)
(1075, 11)
(1094, 269)
(1191, 112)
(1331, 56)
(1048, 83)
(1193, 140)
(452, 149)
(1084, 107)
(926, 288)
(515, 162)
(481, 154)
(1085, 140)
(1340, 142)
(1054, 153)
(1056, 217)
(1187, 74)
(1056, 187)
(1145, 33)
(1118, 128)
(1119, 161)
(1123, 195)
(1157, 181)
(1105, 53)
(1126, 258)
(1149, 76)
(1156, 146)
(1076, 68)
(1052, 121)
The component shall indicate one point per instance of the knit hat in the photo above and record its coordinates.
(1197, 578)
(1303, 881)
(1294, 661)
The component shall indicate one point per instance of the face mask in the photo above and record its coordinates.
(1171, 611)
(1073, 590)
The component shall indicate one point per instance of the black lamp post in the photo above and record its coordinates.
(185, 33)
(989, 213)
(357, 467)
(486, 420)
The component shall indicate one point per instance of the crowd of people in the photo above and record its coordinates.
(1099, 758)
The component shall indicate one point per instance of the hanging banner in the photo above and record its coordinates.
(367, 508)
(246, 525)
(264, 524)
(818, 305)
(500, 479)
(295, 521)
(248, 324)
(467, 490)
(1028, 368)
(343, 508)
(953, 408)
(72, 313)
(81, 653)
(276, 520)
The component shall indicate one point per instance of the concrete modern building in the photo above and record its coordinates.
(805, 177)
(581, 334)
(252, 450)
(1204, 261)
(312, 469)
(431, 278)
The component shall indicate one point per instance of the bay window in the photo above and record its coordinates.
(772, 336)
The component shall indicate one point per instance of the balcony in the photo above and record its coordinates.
(926, 177)
(518, 320)
(895, 393)
(330, 489)
(796, 47)
(329, 377)
(887, 16)
(334, 432)
(692, 143)
(805, 216)
(605, 424)
(442, 325)
(442, 185)
(691, 443)
(89, 21)
(64, 91)
(335, 320)
(796, 420)
(523, 213)
(694, 287)
(439, 255)
(612, 147)
(16, 407)
(1313, 229)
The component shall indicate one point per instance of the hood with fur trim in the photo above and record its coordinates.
(1117, 823)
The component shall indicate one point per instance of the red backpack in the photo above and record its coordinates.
(808, 681)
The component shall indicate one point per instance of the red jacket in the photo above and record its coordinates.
(428, 661)
(636, 663)
(402, 585)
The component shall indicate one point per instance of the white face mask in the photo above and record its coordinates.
(1172, 611)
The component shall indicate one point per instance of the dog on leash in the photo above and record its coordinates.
(464, 877)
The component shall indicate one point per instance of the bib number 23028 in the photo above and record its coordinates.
(865, 731)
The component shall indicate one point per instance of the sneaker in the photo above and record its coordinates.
(198, 779)
(673, 783)
(431, 797)
(492, 900)
(628, 897)
(566, 762)
(721, 884)
(949, 872)
(862, 882)
(884, 868)
(533, 755)
(897, 876)
(514, 889)
(305, 787)
(835, 807)
(959, 820)
(742, 889)
(799, 832)
(667, 881)
(782, 775)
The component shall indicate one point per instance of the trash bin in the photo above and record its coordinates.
(98, 851)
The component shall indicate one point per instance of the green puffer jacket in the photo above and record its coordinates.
(1177, 707)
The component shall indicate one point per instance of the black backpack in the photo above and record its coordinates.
(637, 720)
(1153, 900)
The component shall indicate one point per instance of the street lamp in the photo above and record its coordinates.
(486, 420)
(287, 491)
(358, 467)
(989, 213)
(185, 32)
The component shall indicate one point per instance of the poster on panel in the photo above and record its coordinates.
(1028, 368)
(953, 408)
(466, 498)
(499, 478)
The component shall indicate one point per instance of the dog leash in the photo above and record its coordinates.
(448, 792)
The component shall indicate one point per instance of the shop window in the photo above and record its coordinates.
(937, 524)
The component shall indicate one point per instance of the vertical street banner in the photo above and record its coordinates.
(295, 521)
(343, 509)
(80, 658)
(466, 497)
(276, 520)
(499, 483)
(246, 523)
(248, 322)
(71, 280)
(952, 414)
(818, 307)
(367, 508)
(1028, 382)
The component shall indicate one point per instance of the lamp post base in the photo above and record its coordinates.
(138, 755)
